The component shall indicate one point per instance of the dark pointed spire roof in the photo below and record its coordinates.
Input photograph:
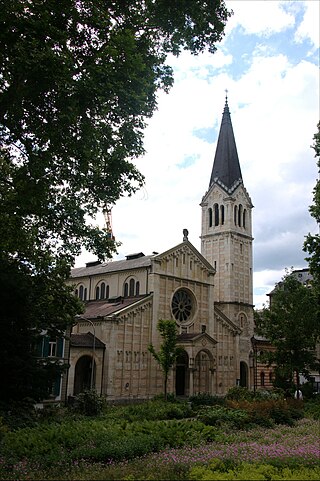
(226, 167)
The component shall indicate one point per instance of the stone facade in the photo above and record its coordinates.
(209, 294)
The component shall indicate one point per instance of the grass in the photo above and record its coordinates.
(281, 452)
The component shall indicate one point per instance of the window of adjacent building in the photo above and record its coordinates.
(52, 348)
(262, 376)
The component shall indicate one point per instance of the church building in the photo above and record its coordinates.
(207, 293)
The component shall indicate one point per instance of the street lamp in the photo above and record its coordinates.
(81, 318)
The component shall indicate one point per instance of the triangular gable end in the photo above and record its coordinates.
(184, 247)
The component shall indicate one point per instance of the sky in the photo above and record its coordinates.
(269, 63)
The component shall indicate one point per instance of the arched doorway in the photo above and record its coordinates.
(83, 372)
(243, 374)
(202, 372)
(181, 374)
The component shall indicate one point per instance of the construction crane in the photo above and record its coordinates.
(108, 221)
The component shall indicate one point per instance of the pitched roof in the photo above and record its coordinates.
(85, 340)
(226, 167)
(112, 266)
(105, 308)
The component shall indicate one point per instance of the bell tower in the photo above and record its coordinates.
(226, 231)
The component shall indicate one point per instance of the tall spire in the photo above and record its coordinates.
(226, 167)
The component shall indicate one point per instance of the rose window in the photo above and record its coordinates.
(182, 305)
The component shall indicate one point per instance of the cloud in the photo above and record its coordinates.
(274, 104)
(309, 27)
(259, 17)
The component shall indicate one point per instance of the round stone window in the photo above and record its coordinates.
(182, 305)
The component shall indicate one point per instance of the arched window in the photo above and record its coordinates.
(137, 288)
(210, 216)
(131, 287)
(235, 214)
(222, 214)
(103, 291)
(240, 215)
(82, 293)
(262, 378)
(244, 223)
(216, 214)
(126, 290)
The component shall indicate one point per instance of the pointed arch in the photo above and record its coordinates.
(235, 214)
(240, 215)
(216, 214)
(222, 214)
(210, 217)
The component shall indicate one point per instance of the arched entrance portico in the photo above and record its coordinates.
(243, 374)
(202, 374)
(182, 363)
(83, 372)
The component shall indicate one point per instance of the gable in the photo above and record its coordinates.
(184, 254)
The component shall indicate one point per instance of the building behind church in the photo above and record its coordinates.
(208, 294)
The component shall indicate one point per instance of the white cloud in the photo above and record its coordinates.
(309, 27)
(259, 17)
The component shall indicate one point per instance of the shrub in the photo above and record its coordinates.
(266, 412)
(205, 399)
(238, 393)
(88, 403)
(312, 408)
(217, 415)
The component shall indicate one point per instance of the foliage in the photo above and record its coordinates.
(92, 448)
(269, 411)
(31, 305)
(78, 79)
(89, 403)
(219, 415)
(205, 399)
(312, 408)
(156, 410)
(168, 352)
(246, 471)
(312, 242)
(291, 324)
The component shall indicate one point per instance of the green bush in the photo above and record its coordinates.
(156, 410)
(218, 415)
(312, 408)
(267, 412)
(89, 403)
(205, 399)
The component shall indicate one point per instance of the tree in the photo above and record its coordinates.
(29, 307)
(291, 325)
(169, 351)
(312, 242)
(78, 80)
